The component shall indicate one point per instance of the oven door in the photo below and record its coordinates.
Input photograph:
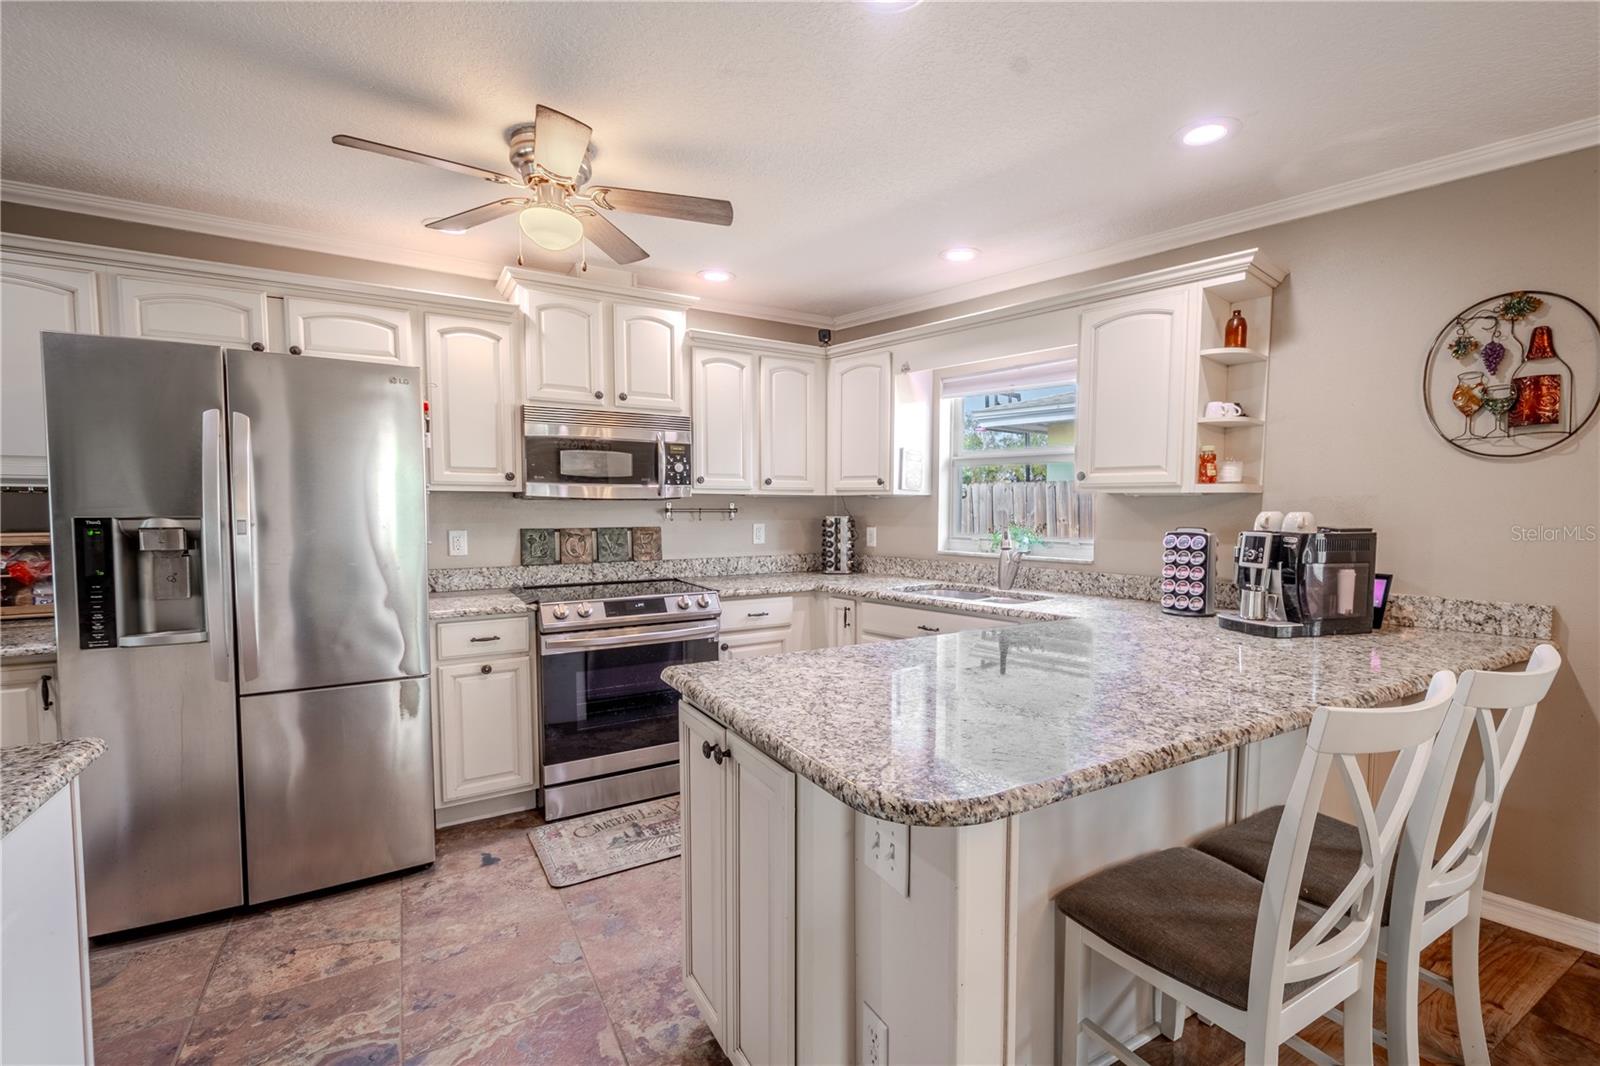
(603, 706)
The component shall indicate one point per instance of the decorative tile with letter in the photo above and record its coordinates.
(539, 547)
(577, 545)
(646, 544)
(614, 544)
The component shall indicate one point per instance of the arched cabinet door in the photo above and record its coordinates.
(647, 357)
(564, 361)
(340, 330)
(34, 298)
(793, 422)
(859, 411)
(474, 433)
(1133, 371)
(724, 421)
(183, 310)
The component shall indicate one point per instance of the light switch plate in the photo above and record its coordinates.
(759, 532)
(874, 1038)
(886, 850)
(458, 542)
(872, 536)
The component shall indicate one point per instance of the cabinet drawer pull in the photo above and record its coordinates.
(44, 692)
(756, 614)
(482, 640)
(929, 629)
(486, 669)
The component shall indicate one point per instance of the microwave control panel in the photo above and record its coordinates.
(677, 471)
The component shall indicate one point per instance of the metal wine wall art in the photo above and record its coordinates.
(1513, 375)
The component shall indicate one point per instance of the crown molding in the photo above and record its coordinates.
(766, 312)
(1514, 151)
(100, 206)
(712, 338)
(510, 278)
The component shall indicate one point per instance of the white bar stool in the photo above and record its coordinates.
(1247, 953)
(1429, 896)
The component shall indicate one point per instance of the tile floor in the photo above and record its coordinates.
(479, 960)
(475, 960)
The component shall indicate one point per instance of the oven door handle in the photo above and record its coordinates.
(631, 637)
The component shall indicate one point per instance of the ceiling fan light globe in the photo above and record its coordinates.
(555, 229)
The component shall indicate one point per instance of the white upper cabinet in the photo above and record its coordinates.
(860, 399)
(647, 357)
(792, 397)
(177, 309)
(1135, 358)
(34, 299)
(343, 330)
(724, 420)
(472, 402)
(565, 360)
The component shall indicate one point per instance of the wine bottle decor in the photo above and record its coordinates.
(1495, 377)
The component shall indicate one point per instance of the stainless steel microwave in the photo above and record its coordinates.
(604, 455)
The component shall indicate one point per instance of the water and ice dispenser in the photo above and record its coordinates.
(140, 582)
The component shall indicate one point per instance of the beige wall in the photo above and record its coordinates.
(492, 522)
(137, 236)
(1368, 288)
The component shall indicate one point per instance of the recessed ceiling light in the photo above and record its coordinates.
(1210, 131)
(715, 275)
(959, 255)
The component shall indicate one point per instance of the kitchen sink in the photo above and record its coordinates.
(972, 595)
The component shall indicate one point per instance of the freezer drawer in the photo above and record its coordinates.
(338, 785)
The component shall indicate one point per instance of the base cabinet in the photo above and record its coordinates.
(738, 891)
(486, 739)
(28, 710)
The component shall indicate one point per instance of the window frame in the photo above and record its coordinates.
(953, 458)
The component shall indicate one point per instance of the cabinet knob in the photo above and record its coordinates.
(258, 347)
(705, 748)
(767, 482)
(599, 395)
(724, 647)
(510, 476)
(718, 754)
(486, 669)
(701, 480)
(1082, 475)
(294, 349)
(880, 481)
(622, 396)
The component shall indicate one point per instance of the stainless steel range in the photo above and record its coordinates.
(608, 723)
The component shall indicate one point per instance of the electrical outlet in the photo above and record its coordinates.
(759, 531)
(874, 1038)
(872, 536)
(886, 850)
(458, 542)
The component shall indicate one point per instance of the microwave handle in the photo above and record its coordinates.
(661, 463)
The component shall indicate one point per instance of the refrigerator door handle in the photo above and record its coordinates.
(213, 531)
(246, 590)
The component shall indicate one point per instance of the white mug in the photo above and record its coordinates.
(1223, 409)
(1271, 521)
(1299, 522)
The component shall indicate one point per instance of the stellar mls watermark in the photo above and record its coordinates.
(1555, 534)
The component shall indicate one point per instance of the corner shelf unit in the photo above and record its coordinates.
(1233, 374)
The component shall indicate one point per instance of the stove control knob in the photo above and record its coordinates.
(559, 611)
(584, 610)
(683, 603)
(702, 602)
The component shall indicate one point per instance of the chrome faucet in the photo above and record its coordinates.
(1010, 561)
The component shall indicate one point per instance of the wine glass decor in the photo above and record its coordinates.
(1496, 364)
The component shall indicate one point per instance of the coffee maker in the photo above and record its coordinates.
(1297, 580)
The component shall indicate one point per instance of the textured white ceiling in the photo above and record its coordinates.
(854, 143)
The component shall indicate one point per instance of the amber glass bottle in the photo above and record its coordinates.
(1543, 382)
(1235, 333)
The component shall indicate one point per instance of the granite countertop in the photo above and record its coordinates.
(972, 727)
(28, 639)
(31, 773)
(443, 606)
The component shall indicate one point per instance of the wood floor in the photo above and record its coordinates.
(1541, 1007)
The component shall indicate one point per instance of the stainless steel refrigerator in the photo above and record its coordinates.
(240, 557)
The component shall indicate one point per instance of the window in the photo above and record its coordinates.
(1010, 434)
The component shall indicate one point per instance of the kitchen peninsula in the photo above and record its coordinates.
(874, 833)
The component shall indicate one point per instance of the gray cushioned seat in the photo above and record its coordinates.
(1183, 912)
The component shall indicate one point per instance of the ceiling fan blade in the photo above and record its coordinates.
(477, 216)
(431, 160)
(664, 204)
(610, 240)
(559, 143)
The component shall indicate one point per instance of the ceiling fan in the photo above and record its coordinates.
(557, 206)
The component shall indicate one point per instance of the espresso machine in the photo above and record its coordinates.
(1298, 580)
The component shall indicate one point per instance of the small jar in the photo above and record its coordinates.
(1236, 331)
(1206, 474)
(1231, 472)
